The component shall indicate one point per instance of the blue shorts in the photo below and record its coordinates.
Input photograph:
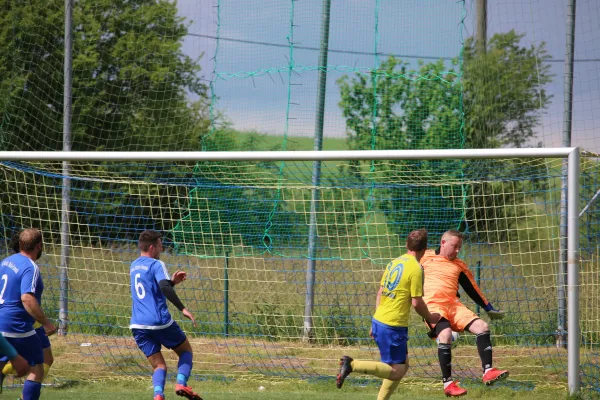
(30, 348)
(392, 342)
(43, 337)
(150, 340)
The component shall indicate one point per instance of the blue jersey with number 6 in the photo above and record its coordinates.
(149, 305)
(18, 275)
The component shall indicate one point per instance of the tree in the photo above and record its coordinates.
(496, 102)
(396, 108)
(131, 79)
(132, 85)
(504, 94)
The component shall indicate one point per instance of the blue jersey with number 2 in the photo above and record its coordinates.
(18, 275)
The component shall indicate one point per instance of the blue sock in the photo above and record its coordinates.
(158, 380)
(31, 390)
(184, 368)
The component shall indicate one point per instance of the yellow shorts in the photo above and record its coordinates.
(455, 312)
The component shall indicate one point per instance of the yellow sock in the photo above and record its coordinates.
(9, 369)
(374, 368)
(387, 389)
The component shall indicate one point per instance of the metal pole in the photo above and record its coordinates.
(327, 155)
(63, 313)
(478, 280)
(481, 25)
(573, 273)
(226, 297)
(316, 176)
(567, 125)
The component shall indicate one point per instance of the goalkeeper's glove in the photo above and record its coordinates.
(492, 312)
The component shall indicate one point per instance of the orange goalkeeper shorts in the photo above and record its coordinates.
(455, 312)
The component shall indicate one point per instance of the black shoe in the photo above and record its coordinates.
(345, 370)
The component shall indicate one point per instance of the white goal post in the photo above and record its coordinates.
(572, 154)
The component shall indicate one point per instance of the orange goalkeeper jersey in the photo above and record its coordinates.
(443, 276)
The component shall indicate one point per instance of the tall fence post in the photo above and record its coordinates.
(226, 296)
(63, 313)
(574, 338)
(481, 25)
(561, 334)
(316, 175)
(478, 280)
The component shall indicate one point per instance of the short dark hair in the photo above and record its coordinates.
(148, 238)
(453, 232)
(29, 239)
(417, 240)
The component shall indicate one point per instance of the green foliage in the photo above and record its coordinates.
(222, 217)
(333, 325)
(500, 198)
(131, 84)
(504, 94)
(406, 109)
(496, 101)
(342, 328)
(399, 108)
(131, 79)
(273, 324)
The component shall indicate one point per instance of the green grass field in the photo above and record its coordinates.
(294, 142)
(288, 390)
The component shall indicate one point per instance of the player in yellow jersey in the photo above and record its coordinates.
(401, 286)
(444, 271)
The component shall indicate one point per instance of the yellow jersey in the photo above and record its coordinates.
(401, 281)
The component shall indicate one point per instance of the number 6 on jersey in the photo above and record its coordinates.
(139, 288)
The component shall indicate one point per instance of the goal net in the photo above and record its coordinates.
(242, 229)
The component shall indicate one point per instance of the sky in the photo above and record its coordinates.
(249, 67)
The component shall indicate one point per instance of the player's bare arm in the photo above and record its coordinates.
(33, 308)
(378, 299)
(421, 308)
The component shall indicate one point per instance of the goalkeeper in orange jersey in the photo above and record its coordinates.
(444, 271)
(401, 287)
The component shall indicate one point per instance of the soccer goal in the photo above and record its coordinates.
(284, 265)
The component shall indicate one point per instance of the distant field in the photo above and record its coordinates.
(295, 142)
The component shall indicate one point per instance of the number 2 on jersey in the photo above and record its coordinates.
(5, 279)
(139, 288)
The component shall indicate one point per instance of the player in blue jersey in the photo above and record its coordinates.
(9, 368)
(21, 290)
(151, 323)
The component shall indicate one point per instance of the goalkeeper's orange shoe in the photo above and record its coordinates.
(494, 375)
(187, 392)
(159, 397)
(453, 390)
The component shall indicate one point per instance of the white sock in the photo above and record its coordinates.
(447, 383)
(486, 370)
